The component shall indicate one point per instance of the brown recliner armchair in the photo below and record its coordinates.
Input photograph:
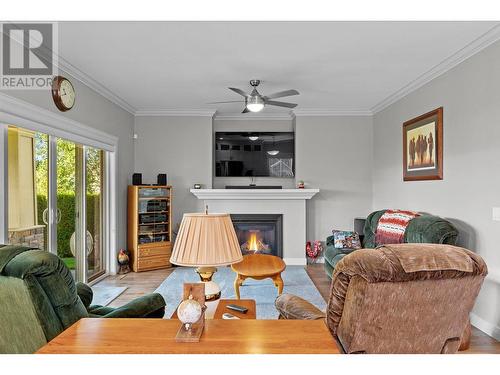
(406, 298)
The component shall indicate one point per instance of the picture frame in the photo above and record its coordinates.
(423, 147)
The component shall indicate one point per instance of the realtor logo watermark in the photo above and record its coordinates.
(28, 55)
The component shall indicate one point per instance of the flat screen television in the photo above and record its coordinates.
(256, 154)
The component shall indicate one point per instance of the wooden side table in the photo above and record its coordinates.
(259, 267)
(217, 308)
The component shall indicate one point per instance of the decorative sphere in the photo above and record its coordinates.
(189, 311)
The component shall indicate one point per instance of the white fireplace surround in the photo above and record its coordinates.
(291, 203)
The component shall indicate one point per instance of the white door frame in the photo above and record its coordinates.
(25, 115)
(4, 190)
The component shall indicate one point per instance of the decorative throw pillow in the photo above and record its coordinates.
(346, 239)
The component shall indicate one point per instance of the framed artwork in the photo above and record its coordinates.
(423, 147)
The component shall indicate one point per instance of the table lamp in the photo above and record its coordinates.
(206, 240)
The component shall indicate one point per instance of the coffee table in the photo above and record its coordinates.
(259, 267)
(150, 336)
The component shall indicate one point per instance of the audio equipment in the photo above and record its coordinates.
(137, 179)
(162, 179)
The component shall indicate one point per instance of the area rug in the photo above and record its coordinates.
(104, 295)
(263, 292)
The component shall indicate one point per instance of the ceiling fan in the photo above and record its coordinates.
(255, 102)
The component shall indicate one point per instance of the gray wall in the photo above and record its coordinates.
(96, 111)
(255, 125)
(334, 154)
(180, 146)
(470, 96)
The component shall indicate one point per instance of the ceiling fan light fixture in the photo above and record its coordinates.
(255, 103)
(253, 137)
(257, 107)
(273, 152)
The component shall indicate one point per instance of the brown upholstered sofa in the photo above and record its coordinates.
(406, 298)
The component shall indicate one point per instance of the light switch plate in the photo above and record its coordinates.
(496, 213)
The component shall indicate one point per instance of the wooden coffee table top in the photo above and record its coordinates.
(259, 265)
(148, 336)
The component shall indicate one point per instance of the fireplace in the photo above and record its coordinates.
(259, 234)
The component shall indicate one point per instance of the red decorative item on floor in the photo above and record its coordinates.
(313, 251)
(318, 248)
(308, 248)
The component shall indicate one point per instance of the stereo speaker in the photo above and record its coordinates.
(162, 179)
(137, 179)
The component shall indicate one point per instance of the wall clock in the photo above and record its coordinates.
(63, 93)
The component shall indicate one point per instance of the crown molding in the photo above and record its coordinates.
(65, 66)
(176, 112)
(27, 115)
(469, 50)
(88, 81)
(332, 112)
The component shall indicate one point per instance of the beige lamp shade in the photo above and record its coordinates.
(206, 240)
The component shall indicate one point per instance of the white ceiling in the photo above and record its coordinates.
(337, 66)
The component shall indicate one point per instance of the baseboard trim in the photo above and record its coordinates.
(295, 261)
(487, 327)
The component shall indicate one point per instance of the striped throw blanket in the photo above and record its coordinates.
(392, 226)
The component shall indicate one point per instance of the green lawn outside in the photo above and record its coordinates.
(70, 263)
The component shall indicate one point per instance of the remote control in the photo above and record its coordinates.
(229, 316)
(240, 309)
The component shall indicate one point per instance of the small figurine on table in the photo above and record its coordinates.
(123, 261)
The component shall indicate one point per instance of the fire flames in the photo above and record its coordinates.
(252, 242)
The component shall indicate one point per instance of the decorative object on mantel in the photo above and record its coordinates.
(206, 241)
(423, 147)
(123, 261)
(301, 184)
(191, 313)
(197, 186)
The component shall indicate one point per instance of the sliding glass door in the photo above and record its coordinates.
(94, 172)
(28, 187)
(55, 199)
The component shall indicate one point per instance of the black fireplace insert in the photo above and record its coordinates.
(259, 233)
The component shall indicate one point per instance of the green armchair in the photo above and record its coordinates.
(422, 229)
(39, 299)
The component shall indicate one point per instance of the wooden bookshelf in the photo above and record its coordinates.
(149, 227)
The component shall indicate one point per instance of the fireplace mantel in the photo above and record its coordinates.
(245, 194)
(290, 203)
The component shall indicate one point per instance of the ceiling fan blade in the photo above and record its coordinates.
(245, 110)
(282, 94)
(231, 101)
(280, 104)
(238, 91)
